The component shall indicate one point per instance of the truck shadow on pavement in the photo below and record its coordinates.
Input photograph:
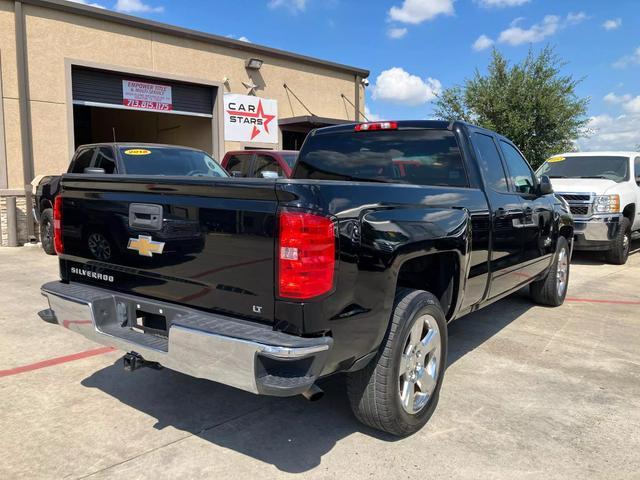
(290, 433)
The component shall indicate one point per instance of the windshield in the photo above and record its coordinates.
(420, 157)
(610, 168)
(169, 161)
(290, 158)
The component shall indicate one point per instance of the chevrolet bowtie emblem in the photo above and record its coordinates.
(145, 245)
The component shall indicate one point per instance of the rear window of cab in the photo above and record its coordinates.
(417, 156)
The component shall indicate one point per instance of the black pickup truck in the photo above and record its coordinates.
(385, 233)
(118, 158)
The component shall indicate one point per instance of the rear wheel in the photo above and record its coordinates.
(398, 391)
(619, 252)
(552, 289)
(46, 231)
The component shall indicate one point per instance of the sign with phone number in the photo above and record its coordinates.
(146, 96)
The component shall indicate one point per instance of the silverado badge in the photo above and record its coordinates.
(145, 245)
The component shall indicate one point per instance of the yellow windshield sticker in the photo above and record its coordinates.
(137, 151)
(556, 159)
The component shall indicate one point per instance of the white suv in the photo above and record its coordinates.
(603, 192)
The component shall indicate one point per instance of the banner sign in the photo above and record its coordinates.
(146, 96)
(250, 119)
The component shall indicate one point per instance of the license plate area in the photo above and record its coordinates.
(149, 322)
(145, 317)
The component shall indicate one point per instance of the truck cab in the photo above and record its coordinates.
(603, 193)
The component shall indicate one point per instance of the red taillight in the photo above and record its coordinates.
(365, 127)
(58, 244)
(306, 255)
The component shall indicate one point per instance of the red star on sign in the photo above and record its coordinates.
(259, 114)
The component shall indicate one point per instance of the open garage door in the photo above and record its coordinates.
(112, 106)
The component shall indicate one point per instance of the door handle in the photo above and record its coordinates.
(503, 213)
(146, 216)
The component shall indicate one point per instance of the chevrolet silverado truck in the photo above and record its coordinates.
(603, 192)
(112, 159)
(385, 233)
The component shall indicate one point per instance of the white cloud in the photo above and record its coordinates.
(616, 99)
(612, 24)
(612, 133)
(515, 35)
(398, 86)
(502, 3)
(482, 43)
(418, 11)
(373, 117)
(136, 6)
(575, 18)
(550, 25)
(90, 4)
(241, 38)
(294, 6)
(396, 33)
(627, 60)
(628, 102)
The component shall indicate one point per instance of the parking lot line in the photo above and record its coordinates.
(56, 361)
(598, 300)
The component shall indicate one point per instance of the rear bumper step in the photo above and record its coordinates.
(224, 349)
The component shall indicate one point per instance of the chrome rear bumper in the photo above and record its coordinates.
(231, 351)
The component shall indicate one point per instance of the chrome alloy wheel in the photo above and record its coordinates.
(562, 272)
(420, 364)
(99, 246)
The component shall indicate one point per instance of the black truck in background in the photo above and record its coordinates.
(385, 233)
(118, 158)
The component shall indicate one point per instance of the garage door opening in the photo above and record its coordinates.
(112, 106)
(99, 124)
(295, 129)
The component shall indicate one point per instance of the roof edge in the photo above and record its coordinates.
(152, 25)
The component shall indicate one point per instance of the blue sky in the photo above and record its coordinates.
(413, 48)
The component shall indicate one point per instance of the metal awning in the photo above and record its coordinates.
(308, 122)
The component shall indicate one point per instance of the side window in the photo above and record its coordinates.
(490, 163)
(105, 160)
(520, 173)
(265, 163)
(82, 161)
(636, 170)
(238, 165)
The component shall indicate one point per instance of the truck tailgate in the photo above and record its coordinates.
(199, 242)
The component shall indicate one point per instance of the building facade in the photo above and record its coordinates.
(72, 74)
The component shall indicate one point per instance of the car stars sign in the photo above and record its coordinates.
(250, 119)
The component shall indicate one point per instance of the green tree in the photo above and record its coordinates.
(531, 102)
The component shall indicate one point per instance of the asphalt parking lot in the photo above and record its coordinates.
(530, 392)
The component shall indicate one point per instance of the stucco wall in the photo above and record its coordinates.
(53, 37)
(10, 107)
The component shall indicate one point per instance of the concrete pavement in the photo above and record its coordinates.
(531, 392)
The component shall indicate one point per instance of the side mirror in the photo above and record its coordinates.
(267, 174)
(94, 170)
(236, 173)
(545, 187)
(638, 180)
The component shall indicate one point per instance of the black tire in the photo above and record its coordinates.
(46, 231)
(374, 392)
(619, 252)
(547, 290)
